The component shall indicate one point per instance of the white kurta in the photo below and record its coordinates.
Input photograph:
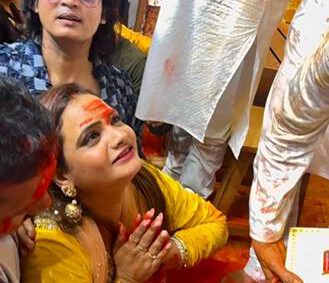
(295, 122)
(311, 22)
(197, 47)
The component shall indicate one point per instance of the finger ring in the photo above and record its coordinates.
(132, 239)
(153, 257)
(142, 249)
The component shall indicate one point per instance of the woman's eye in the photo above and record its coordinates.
(90, 138)
(116, 119)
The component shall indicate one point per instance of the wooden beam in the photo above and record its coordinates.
(142, 6)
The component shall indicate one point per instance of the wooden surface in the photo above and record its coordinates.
(140, 15)
(255, 129)
(276, 53)
(272, 64)
(233, 176)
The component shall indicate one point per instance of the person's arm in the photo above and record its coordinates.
(196, 223)
(128, 58)
(142, 42)
(298, 121)
(57, 257)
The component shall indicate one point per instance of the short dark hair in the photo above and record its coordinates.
(27, 141)
(104, 40)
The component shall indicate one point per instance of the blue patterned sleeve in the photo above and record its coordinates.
(4, 59)
(134, 122)
(117, 91)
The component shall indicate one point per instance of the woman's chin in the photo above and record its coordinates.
(135, 166)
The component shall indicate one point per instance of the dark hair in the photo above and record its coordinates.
(10, 32)
(27, 141)
(56, 100)
(103, 42)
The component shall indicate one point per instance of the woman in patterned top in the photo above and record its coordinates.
(70, 41)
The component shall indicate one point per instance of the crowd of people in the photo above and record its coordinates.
(77, 201)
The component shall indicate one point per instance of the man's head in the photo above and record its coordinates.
(27, 155)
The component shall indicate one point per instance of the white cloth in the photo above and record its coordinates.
(197, 47)
(295, 122)
(194, 163)
(272, 174)
(308, 26)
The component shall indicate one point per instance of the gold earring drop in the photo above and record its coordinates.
(73, 211)
(69, 191)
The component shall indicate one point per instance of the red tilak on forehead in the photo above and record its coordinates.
(46, 177)
(86, 122)
(93, 105)
(106, 114)
(101, 108)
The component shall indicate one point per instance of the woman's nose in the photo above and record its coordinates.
(116, 137)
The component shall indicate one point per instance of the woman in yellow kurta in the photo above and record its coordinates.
(99, 168)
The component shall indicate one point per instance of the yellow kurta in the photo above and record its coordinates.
(59, 257)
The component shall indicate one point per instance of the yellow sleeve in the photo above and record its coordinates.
(57, 257)
(142, 42)
(196, 222)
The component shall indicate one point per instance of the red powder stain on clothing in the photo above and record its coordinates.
(266, 210)
(169, 68)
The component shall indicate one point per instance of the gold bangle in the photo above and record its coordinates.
(182, 251)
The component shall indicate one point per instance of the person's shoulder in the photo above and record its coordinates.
(49, 230)
(57, 256)
(128, 50)
(110, 71)
(164, 181)
(9, 260)
(15, 47)
(13, 52)
(16, 55)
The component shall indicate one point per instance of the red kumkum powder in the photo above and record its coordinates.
(46, 177)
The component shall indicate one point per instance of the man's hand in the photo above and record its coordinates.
(272, 257)
(26, 236)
